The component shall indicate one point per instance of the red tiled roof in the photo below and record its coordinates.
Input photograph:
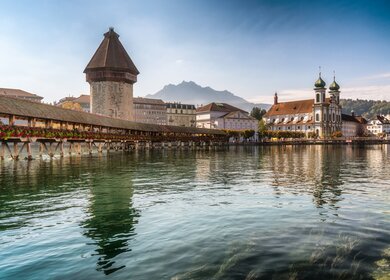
(219, 107)
(361, 120)
(18, 93)
(357, 119)
(141, 100)
(111, 55)
(292, 107)
(84, 98)
(232, 114)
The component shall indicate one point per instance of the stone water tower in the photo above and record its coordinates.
(111, 74)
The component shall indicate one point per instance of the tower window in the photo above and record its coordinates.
(318, 98)
(317, 117)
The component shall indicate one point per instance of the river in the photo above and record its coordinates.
(306, 212)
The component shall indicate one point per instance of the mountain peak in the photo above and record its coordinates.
(189, 92)
(190, 83)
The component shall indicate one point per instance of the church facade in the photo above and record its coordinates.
(320, 115)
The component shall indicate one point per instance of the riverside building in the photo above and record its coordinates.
(320, 114)
(148, 110)
(181, 114)
(353, 125)
(379, 125)
(224, 116)
(18, 93)
(83, 100)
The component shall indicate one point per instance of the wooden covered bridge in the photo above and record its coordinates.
(59, 131)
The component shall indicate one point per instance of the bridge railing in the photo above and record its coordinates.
(31, 133)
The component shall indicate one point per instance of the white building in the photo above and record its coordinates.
(224, 116)
(379, 125)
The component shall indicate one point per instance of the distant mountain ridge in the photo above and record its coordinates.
(192, 93)
(366, 108)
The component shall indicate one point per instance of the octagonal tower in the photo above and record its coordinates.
(111, 74)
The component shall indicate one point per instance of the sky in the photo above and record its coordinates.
(251, 48)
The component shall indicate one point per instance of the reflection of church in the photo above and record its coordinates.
(312, 169)
(320, 114)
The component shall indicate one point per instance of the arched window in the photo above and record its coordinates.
(318, 98)
(317, 117)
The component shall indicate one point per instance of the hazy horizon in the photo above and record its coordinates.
(251, 49)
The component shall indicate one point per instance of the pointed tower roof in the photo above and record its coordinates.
(111, 55)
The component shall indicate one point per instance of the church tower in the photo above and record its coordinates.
(319, 107)
(111, 74)
(334, 90)
(335, 109)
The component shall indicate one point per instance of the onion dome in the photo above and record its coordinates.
(334, 85)
(320, 83)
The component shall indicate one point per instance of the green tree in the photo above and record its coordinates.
(258, 113)
(248, 133)
(262, 129)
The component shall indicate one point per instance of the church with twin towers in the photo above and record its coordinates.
(320, 115)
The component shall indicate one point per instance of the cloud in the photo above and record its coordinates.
(377, 76)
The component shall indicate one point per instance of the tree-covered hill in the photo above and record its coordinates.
(367, 108)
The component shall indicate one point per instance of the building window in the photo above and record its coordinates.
(318, 98)
(317, 117)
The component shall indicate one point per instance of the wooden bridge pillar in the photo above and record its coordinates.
(29, 154)
(61, 149)
(79, 148)
(2, 150)
(90, 147)
(15, 154)
(70, 148)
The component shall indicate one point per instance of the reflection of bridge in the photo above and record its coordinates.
(57, 129)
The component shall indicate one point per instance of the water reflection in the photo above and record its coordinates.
(313, 169)
(111, 222)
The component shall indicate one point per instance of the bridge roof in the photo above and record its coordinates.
(29, 109)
